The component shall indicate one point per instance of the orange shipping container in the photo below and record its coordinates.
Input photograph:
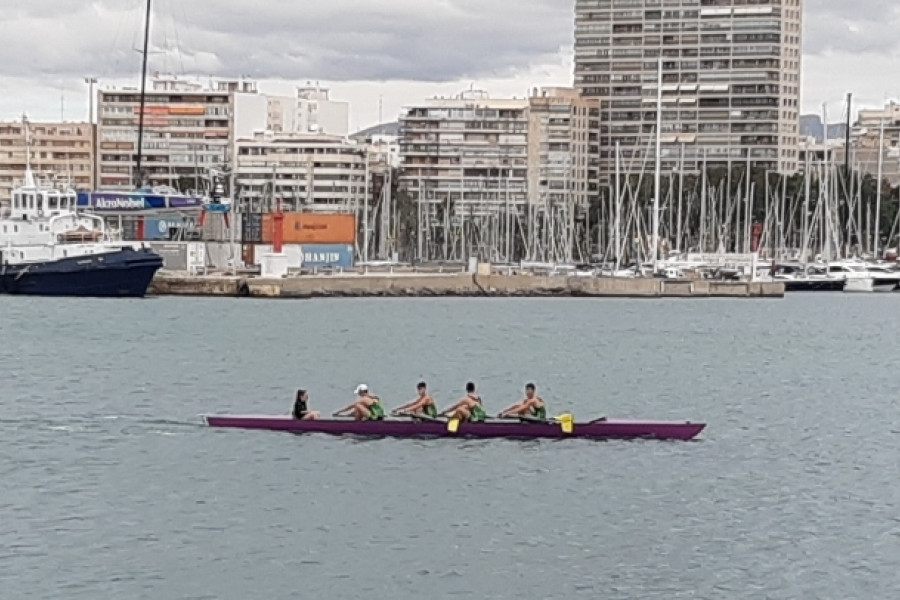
(309, 228)
(268, 231)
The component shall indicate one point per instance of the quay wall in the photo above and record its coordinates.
(456, 284)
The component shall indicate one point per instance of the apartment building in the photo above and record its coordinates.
(876, 139)
(188, 128)
(563, 147)
(470, 151)
(730, 80)
(311, 111)
(309, 172)
(59, 152)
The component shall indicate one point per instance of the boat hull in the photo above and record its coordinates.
(119, 273)
(610, 429)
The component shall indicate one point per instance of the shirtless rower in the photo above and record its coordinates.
(422, 404)
(366, 407)
(469, 407)
(301, 408)
(531, 406)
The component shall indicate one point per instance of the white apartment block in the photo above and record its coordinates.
(309, 172)
(480, 153)
(876, 139)
(731, 80)
(59, 152)
(563, 147)
(470, 152)
(188, 128)
(311, 111)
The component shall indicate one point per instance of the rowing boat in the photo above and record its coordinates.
(514, 429)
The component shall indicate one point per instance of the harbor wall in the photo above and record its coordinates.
(458, 284)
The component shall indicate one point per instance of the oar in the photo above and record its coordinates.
(422, 417)
(566, 420)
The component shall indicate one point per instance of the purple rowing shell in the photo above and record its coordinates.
(610, 429)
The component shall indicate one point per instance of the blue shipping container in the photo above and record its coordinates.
(158, 228)
(327, 255)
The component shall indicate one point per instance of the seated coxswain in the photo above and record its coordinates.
(366, 407)
(531, 406)
(423, 404)
(301, 408)
(469, 408)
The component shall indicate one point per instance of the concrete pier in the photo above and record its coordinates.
(455, 284)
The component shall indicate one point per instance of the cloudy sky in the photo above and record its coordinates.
(396, 50)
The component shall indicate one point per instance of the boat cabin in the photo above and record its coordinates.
(44, 215)
(31, 202)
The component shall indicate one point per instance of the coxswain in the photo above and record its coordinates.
(366, 407)
(469, 408)
(422, 404)
(301, 408)
(532, 406)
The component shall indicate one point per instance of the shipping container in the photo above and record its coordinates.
(249, 254)
(268, 231)
(251, 228)
(161, 228)
(316, 256)
(312, 228)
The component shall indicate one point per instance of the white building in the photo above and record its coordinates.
(309, 172)
(188, 127)
(730, 80)
(311, 111)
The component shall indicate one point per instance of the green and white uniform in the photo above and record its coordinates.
(539, 412)
(376, 411)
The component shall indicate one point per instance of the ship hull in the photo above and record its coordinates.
(121, 273)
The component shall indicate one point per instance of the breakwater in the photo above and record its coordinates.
(455, 284)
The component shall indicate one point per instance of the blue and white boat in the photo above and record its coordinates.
(48, 248)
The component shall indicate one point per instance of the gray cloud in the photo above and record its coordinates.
(339, 40)
(427, 40)
(851, 26)
(49, 45)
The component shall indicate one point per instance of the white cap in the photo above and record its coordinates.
(362, 388)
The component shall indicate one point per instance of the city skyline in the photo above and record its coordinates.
(362, 51)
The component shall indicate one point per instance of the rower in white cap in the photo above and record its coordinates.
(365, 407)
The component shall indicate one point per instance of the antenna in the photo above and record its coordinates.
(62, 103)
(380, 109)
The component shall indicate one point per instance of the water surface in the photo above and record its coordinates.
(111, 489)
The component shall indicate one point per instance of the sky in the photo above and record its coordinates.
(378, 55)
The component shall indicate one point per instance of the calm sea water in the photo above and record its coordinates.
(111, 489)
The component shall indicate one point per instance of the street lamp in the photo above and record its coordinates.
(91, 81)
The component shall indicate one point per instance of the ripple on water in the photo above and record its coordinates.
(112, 488)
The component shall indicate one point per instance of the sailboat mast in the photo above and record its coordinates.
(140, 143)
(877, 234)
(658, 165)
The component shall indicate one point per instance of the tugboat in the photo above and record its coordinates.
(48, 248)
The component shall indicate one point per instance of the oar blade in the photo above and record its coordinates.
(566, 422)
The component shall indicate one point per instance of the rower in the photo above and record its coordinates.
(366, 407)
(531, 406)
(301, 408)
(469, 408)
(421, 404)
